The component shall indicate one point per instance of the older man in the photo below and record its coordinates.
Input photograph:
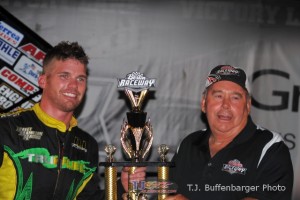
(234, 158)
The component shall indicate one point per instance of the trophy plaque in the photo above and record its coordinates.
(136, 141)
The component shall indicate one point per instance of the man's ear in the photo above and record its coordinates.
(42, 81)
(249, 103)
(203, 107)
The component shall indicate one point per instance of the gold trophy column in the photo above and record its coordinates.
(132, 194)
(162, 171)
(110, 175)
(110, 183)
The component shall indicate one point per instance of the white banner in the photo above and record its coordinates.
(178, 42)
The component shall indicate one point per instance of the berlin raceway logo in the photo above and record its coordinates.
(234, 167)
(136, 81)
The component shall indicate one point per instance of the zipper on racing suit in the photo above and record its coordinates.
(59, 163)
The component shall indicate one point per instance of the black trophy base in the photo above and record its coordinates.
(137, 164)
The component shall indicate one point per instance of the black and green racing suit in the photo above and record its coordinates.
(41, 159)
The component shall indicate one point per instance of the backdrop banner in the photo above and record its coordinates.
(21, 55)
(175, 42)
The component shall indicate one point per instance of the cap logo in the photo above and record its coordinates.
(228, 70)
(212, 79)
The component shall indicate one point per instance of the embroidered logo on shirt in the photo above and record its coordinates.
(27, 133)
(79, 144)
(234, 167)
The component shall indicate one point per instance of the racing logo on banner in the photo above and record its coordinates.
(8, 53)
(9, 96)
(17, 81)
(33, 52)
(28, 69)
(10, 35)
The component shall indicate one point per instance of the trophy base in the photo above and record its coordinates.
(137, 164)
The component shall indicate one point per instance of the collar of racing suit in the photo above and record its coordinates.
(52, 122)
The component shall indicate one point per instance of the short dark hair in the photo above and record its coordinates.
(65, 50)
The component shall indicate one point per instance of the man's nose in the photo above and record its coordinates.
(226, 102)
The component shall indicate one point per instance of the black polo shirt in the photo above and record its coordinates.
(255, 164)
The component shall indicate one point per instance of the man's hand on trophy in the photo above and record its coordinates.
(176, 197)
(139, 174)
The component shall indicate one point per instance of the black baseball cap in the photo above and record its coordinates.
(227, 73)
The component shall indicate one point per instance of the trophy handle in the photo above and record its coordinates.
(149, 130)
(124, 129)
(142, 97)
(136, 100)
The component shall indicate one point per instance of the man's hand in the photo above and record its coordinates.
(176, 197)
(138, 175)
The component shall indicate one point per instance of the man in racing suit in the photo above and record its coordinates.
(43, 159)
(43, 154)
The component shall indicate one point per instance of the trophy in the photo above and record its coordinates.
(136, 140)
(136, 134)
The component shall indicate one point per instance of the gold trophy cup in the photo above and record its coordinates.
(136, 140)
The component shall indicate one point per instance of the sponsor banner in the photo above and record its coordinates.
(33, 52)
(10, 35)
(22, 52)
(9, 96)
(36, 98)
(28, 69)
(8, 53)
(25, 105)
(17, 81)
